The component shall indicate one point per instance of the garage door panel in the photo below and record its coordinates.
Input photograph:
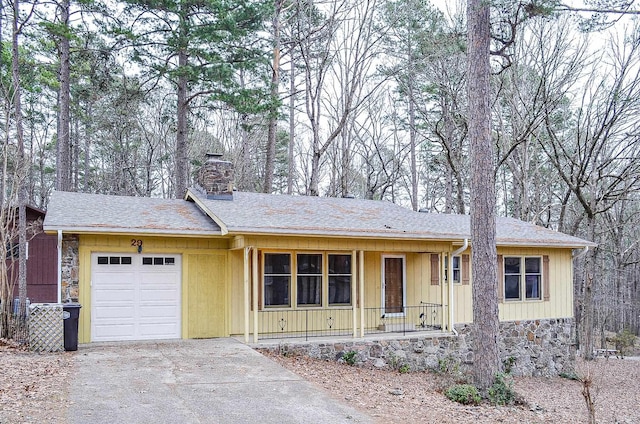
(159, 311)
(160, 295)
(136, 301)
(114, 312)
(156, 330)
(113, 331)
(110, 295)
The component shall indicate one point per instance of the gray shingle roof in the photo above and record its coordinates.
(97, 213)
(257, 213)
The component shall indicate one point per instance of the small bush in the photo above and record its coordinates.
(465, 394)
(502, 393)
(404, 368)
(624, 340)
(571, 375)
(448, 365)
(350, 357)
(508, 364)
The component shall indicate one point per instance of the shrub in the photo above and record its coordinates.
(350, 357)
(501, 392)
(404, 368)
(465, 394)
(624, 340)
(508, 364)
(448, 365)
(571, 375)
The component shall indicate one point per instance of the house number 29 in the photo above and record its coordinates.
(137, 243)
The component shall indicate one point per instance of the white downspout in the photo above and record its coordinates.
(456, 252)
(59, 266)
(582, 253)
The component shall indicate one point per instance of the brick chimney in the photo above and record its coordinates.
(215, 177)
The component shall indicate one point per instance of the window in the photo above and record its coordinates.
(114, 260)
(277, 279)
(393, 273)
(522, 283)
(13, 250)
(532, 278)
(456, 269)
(158, 261)
(339, 279)
(309, 278)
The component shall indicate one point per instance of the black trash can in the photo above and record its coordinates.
(71, 314)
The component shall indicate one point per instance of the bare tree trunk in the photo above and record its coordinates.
(483, 200)
(292, 124)
(273, 115)
(21, 165)
(587, 313)
(182, 147)
(87, 147)
(63, 151)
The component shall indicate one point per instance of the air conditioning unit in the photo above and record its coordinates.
(46, 329)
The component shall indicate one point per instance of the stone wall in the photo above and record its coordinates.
(70, 268)
(540, 348)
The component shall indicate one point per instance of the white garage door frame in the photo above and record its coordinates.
(135, 296)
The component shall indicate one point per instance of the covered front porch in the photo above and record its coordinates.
(388, 294)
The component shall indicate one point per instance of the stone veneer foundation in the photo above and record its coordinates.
(70, 268)
(540, 348)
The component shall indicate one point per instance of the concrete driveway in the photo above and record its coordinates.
(194, 381)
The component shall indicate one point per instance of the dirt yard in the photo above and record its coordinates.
(394, 397)
(33, 389)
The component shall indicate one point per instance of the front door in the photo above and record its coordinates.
(393, 284)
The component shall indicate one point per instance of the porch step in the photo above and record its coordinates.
(395, 328)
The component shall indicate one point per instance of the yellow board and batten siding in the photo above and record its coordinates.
(560, 285)
(205, 268)
(213, 299)
(417, 262)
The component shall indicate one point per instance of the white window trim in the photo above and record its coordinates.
(404, 284)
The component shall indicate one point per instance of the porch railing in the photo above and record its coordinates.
(423, 317)
(317, 322)
(297, 323)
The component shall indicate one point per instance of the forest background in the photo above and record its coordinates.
(364, 98)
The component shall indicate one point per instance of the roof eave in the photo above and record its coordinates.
(130, 231)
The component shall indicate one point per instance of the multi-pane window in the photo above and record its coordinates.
(532, 278)
(456, 269)
(277, 279)
(309, 278)
(339, 279)
(522, 282)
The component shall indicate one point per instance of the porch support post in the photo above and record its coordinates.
(361, 285)
(465, 244)
(256, 283)
(444, 284)
(247, 299)
(59, 266)
(354, 307)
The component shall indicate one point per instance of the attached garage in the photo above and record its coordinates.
(135, 296)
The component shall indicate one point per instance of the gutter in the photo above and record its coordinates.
(59, 266)
(450, 282)
(582, 253)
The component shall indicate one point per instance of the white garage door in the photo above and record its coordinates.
(135, 297)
